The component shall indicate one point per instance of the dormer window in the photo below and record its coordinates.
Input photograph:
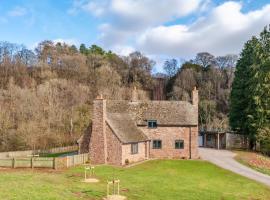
(152, 123)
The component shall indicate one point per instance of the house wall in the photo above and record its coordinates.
(194, 143)
(168, 135)
(141, 155)
(114, 148)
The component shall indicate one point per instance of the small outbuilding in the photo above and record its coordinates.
(222, 140)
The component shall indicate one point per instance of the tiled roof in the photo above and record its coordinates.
(125, 128)
(167, 113)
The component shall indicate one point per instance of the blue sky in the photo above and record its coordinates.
(160, 29)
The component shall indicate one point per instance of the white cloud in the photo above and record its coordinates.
(55, 41)
(123, 50)
(17, 12)
(145, 25)
(70, 41)
(97, 8)
(93, 7)
(128, 18)
(137, 15)
(223, 30)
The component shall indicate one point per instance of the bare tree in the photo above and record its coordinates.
(205, 59)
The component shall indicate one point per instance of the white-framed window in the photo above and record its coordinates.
(134, 148)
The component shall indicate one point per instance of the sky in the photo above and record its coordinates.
(161, 29)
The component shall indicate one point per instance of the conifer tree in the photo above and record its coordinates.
(250, 96)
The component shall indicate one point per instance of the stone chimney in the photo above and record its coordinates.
(98, 143)
(134, 95)
(195, 97)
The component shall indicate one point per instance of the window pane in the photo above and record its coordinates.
(179, 144)
(157, 144)
(134, 148)
(152, 123)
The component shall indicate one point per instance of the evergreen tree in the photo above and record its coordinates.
(83, 49)
(259, 105)
(94, 49)
(239, 98)
(250, 96)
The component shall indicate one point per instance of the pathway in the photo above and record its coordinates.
(225, 159)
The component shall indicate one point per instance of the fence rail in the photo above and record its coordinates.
(17, 154)
(45, 162)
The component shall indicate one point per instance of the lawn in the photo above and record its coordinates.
(254, 160)
(153, 180)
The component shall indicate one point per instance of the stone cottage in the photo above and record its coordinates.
(124, 132)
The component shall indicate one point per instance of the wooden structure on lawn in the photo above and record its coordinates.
(115, 183)
(89, 172)
(221, 139)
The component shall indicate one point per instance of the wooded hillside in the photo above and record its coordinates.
(46, 95)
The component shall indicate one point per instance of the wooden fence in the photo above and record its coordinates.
(44, 162)
(71, 161)
(17, 154)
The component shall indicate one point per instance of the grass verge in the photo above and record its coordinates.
(158, 179)
(254, 160)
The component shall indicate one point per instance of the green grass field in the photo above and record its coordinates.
(153, 180)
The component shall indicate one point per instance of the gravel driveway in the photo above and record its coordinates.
(224, 159)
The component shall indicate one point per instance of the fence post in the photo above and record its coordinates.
(32, 163)
(54, 163)
(14, 163)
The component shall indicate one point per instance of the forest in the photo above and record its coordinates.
(46, 94)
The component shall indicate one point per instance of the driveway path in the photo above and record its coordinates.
(224, 159)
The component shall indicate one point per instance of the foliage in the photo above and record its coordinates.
(171, 67)
(213, 77)
(250, 97)
(46, 97)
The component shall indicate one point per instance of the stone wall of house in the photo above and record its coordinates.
(98, 143)
(194, 143)
(114, 147)
(168, 135)
(131, 158)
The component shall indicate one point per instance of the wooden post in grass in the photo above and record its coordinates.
(91, 172)
(218, 141)
(32, 163)
(54, 163)
(85, 172)
(13, 162)
(114, 183)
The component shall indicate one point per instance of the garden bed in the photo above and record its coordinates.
(254, 160)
